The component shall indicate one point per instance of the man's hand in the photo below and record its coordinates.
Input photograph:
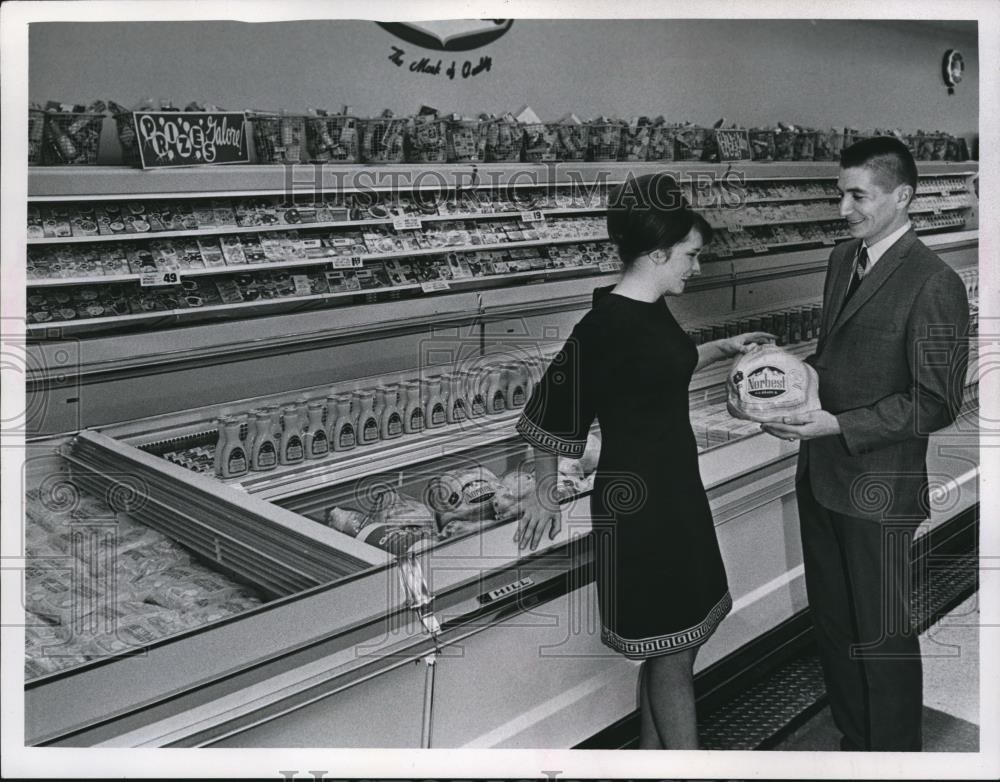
(806, 426)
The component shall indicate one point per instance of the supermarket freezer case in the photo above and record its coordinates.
(337, 643)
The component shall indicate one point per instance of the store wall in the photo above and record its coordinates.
(817, 73)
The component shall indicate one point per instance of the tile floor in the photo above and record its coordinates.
(951, 690)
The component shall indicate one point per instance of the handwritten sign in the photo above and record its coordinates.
(185, 138)
(733, 144)
(151, 277)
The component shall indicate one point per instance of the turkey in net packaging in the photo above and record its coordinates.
(769, 383)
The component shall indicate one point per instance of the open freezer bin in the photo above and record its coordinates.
(334, 612)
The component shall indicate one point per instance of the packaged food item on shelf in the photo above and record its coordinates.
(223, 214)
(214, 610)
(232, 250)
(331, 137)
(179, 586)
(383, 139)
(55, 221)
(466, 140)
(426, 141)
(72, 137)
(346, 520)
(464, 494)
(60, 595)
(513, 487)
(134, 626)
(152, 300)
(278, 138)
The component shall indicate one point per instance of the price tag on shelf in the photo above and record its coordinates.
(946, 193)
(151, 278)
(534, 216)
(353, 262)
(302, 286)
(610, 266)
(936, 210)
(435, 286)
(828, 240)
(406, 223)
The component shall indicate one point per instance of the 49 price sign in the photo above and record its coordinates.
(150, 278)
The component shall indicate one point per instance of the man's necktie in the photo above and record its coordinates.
(862, 264)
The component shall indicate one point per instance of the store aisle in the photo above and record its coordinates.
(951, 690)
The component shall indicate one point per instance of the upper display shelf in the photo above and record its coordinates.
(108, 182)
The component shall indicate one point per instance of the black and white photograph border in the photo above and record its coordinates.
(775, 726)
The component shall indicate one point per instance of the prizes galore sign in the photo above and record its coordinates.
(183, 138)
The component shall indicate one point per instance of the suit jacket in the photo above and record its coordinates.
(891, 366)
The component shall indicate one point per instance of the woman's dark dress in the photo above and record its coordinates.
(660, 577)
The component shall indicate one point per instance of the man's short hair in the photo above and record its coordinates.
(888, 158)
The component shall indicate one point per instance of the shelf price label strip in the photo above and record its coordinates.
(154, 278)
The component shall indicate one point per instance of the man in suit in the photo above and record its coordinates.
(891, 362)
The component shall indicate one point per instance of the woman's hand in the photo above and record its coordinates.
(718, 349)
(540, 512)
(743, 343)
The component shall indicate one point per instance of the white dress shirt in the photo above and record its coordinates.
(877, 250)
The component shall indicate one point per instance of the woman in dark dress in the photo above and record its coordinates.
(661, 582)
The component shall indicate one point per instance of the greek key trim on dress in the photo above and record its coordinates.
(672, 642)
(535, 435)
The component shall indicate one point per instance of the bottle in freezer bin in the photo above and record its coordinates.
(315, 440)
(390, 423)
(234, 455)
(248, 429)
(379, 405)
(794, 327)
(435, 411)
(516, 394)
(457, 404)
(292, 449)
(220, 443)
(495, 393)
(345, 425)
(475, 388)
(413, 410)
(367, 420)
(264, 449)
(817, 319)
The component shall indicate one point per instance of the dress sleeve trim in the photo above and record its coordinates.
(538, 437)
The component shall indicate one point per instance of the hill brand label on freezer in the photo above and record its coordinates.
(506, 590)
